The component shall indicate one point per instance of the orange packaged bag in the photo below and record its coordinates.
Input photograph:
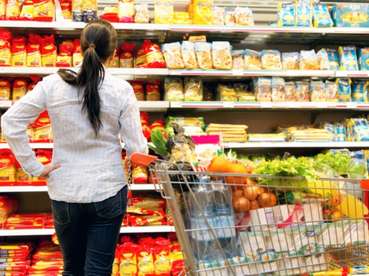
(65, 56)
(5, 89)
(8, 205)
(33, 51)
(42, 129)
(44, 10)
(138, 88)
(128, 259)
(150, 56)
(77, 54)
(44, 156)
(20, 87)
(162, 262)
(12, 10)
(126, 55)
(48, 51)
(7, 168)
(145, 261)
(5, 51)
(18, 50)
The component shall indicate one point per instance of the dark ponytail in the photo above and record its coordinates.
(98, 42)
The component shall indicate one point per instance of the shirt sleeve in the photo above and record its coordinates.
(131, 130)
(14, 125)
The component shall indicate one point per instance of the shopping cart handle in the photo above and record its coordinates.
(142, 159)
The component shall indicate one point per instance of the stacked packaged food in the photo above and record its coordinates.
(228, 132)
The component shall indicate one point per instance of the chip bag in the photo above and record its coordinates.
(2, 9)
(149, 56)
(252, 60)
(5, 89)
(344, 90)
(33, 51)
(42, 129)
(188, 55)
(271, 60)
(128, 259)
(7, 168)
(27, 11)
(5, 49)
(43, 156)
(44, 10)
(126, 55)
(19, 89)
(202, 12)
(364, 59)
(65, 56)
(203, 54)
(286, 14)
(48, 51)
(18, 50)
(221, 55)
(145, 261)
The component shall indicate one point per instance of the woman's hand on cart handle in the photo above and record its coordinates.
(49, 168)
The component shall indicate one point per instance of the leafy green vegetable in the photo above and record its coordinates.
(159, 143)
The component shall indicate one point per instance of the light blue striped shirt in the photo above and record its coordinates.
(91, 167)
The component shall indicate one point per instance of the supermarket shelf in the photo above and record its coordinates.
(29, 189)
(287, 145)
(123, 230)
(70, 25)
(153, 106)
(269, 105)
(141, 72)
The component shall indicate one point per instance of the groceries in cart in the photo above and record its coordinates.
(288, 215)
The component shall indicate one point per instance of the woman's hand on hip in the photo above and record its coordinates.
(49, 168)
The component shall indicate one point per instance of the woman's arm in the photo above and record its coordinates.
(14, 125)
(131, 129)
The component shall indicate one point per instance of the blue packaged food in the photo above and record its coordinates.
(351, 15)
(360, 91)
(286, 14)
(364, 58)
(334, 62)
(348, 58)
(322, 17)
(304, 14)
(344, 90)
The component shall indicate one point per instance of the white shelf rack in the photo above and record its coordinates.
(123, 230)
(162, 106)
(31, 189)
(77, 26)
(140, 72)
(291, 145)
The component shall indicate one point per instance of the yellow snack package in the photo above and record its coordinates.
(163, 12)
(202, 12)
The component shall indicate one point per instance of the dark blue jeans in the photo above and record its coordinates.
(88, 234)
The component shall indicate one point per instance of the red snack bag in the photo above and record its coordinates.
(33, 51)
(128, 258)
(150, 56)
(7, 167)
(18, 50)
(65, 56)
(66, 7)
(5, 89)
(153, 91)
(42, 129)
(48, 51)
(2, 9)
(126, 55)
(5, 50)
(140, 175)
(77, 53)
(20, 88)
(44, 10)
(138, 88)
(34, 81)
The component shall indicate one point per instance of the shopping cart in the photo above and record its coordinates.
(287, 225)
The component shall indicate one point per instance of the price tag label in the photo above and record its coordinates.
(228, 104)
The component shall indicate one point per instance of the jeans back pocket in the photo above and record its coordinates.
(113, 206)
(61, 212)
